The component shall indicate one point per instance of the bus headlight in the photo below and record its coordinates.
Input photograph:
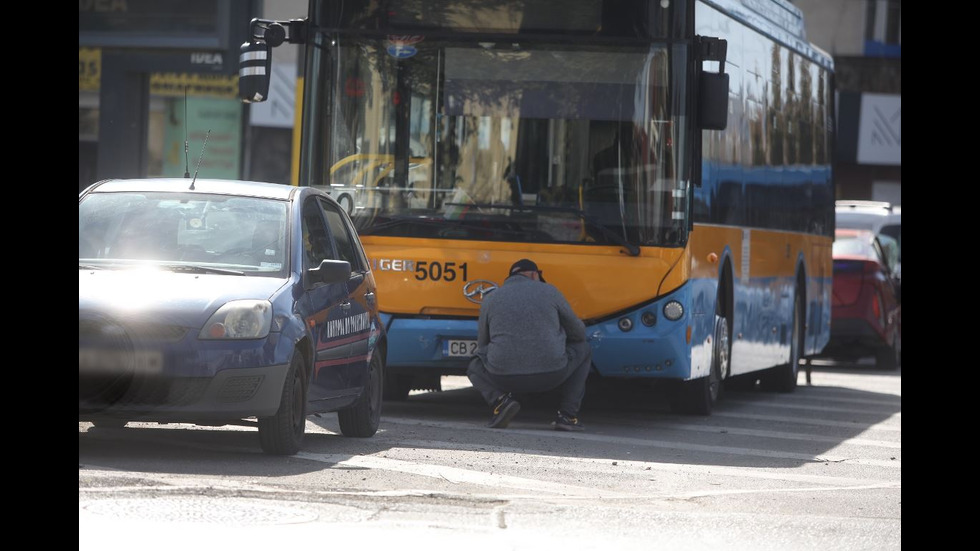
(625, 324)
(673, 310)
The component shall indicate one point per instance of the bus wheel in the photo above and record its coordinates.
(699, 396)
(783, 378)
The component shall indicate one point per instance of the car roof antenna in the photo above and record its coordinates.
(187, 167)
(206, 136)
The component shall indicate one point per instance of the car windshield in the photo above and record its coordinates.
(183, 232)
(859, 220)
(853, 246)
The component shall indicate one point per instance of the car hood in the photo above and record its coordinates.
(187, 299)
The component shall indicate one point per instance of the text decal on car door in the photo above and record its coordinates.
(348, 325)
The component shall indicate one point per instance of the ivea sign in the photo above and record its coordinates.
(880, 130)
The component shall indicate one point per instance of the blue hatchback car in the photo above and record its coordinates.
(219, 302)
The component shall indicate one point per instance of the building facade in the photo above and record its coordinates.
(158, 91)
(865, 39)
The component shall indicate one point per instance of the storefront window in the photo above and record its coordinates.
(210, 111)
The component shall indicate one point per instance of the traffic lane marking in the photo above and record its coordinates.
(649, 443)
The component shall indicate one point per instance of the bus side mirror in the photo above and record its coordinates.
(712, 87)
(254, 72)
(713, 97)
(255, 60)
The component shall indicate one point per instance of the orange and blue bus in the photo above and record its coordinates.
(668, 164)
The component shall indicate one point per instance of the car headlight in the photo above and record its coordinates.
(239, 319)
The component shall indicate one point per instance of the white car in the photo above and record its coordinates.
(878, 216)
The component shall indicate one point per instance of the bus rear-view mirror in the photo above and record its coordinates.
(713, 98)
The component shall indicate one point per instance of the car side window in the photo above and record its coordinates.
(894, 231)
(342, 235)
(316, 240)
(888, 250)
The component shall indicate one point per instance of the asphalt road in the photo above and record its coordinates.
(819, 468)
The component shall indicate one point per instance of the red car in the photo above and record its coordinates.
(866, 311)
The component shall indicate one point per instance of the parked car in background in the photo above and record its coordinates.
(219, 302)
(866, 306)
(878, 216)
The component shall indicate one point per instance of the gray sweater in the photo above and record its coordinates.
(523, 327)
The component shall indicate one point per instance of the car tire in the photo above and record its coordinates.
(361, 419)
(282, 433)
(887, 358)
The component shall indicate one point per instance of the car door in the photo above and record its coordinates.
(887, 249)
(359, 322)
(326, 310)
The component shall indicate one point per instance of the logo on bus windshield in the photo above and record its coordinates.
(475, 290)
(401, 47)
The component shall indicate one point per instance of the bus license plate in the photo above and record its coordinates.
(458, 348)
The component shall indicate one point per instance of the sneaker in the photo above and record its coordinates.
(505, 410)
(567, 422)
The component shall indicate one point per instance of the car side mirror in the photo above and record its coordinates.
(330, 271)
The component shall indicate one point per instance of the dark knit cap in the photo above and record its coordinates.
(525, 265)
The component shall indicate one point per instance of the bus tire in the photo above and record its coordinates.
(699, 396)
(783, 378)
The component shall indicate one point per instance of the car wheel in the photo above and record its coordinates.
(783, 378)
(361, 419)
(282, 433)
(887, 357)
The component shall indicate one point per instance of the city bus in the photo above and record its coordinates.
(668, 163)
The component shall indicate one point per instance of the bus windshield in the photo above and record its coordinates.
(503, 141)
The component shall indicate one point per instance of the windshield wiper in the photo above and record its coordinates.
(631, 249)
(90, 267)
(195, 269)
